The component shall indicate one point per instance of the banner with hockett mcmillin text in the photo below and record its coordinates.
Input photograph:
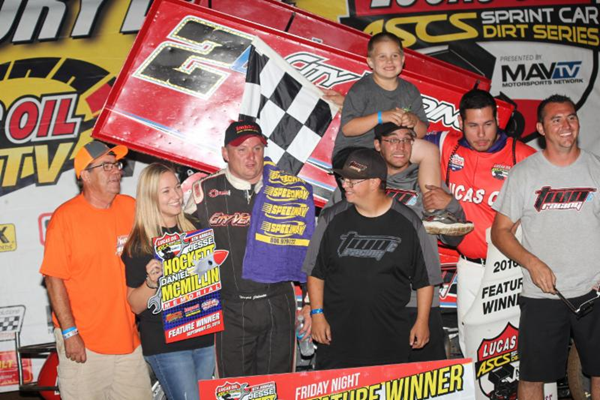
(529, 49)
(189, 293)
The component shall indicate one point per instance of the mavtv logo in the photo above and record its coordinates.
(541, 71)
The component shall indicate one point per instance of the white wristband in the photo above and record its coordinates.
(70, 334)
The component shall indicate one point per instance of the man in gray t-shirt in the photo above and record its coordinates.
(554, 195)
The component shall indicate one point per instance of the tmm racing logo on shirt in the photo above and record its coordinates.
(367, 246)
(562, 198)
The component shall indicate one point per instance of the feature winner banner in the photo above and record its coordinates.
(443, 380)
(189, 290)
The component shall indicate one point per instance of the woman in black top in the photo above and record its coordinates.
(179, 365)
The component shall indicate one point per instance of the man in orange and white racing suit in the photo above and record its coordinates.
(474, 165)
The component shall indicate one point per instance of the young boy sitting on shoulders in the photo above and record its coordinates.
(384, 97)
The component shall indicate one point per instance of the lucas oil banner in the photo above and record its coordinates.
(189, 290)
(443, 380)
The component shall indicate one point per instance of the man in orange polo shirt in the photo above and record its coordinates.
(96, 337)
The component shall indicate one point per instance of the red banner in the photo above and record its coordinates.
(449, 379)
(9, 373)
(295, 21)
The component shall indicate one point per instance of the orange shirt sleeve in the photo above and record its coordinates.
(57, 253)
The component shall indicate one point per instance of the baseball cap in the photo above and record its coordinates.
(240, 131)
(93, 150)
(363, 163)
(382, 130)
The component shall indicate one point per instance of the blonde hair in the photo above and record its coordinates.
(148, 220)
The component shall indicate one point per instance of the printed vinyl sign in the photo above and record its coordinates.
(9, 372)
(497, 367)
(445, 380)
(492, 327)
(528, 49)
(189, 290)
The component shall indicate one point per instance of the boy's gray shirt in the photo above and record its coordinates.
(366, 97)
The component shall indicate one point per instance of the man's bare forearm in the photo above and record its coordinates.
(424, 303)
(503, 237)
(315, 288)
(59, 299)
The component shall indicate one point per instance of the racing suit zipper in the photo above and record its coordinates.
(248, 193)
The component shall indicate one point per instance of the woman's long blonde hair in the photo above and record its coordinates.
(148, 220)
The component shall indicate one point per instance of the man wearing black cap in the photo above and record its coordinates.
(370, 257)
(395, 145)
(96, 335)
(259, 318)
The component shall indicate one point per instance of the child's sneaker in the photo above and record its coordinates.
(441, 222)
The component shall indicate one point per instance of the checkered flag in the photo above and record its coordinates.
(11, 321)
(288, 107)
